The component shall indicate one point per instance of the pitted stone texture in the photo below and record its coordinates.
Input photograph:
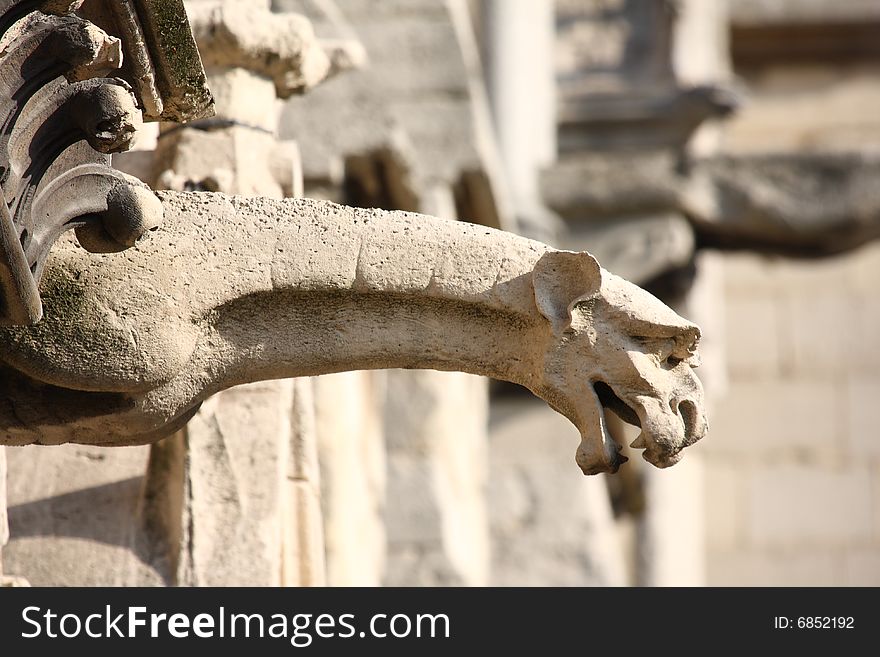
(265, 530)
(60, 121)
(254, 289)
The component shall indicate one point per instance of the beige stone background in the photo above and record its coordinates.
(792, 467)
(787, 483)
(785, 490)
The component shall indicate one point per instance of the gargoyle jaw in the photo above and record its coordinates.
(666, 428)
(598, 452)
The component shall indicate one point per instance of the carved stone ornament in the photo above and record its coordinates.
(60, 119)
(230, 290)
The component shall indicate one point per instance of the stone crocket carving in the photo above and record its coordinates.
(231, 290)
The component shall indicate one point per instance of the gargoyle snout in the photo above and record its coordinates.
(667, 431)
(694, 418)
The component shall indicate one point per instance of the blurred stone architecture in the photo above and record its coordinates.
(793, 467)
(721, 154)
(785, 490)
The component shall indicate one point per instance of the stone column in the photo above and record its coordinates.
(250, 509)
(518, 52)
(410, 131)
(530, 545)
(351, 450)
(436, 513)
(638, 89)
(673, 530)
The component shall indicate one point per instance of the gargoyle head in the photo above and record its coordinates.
(614, 345)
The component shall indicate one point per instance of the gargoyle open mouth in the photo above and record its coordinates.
(668, 427)
(609, 399)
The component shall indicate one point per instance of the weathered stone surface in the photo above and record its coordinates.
(280, 46)
(231, 534)
(789, 204)
(431, 51)
(303, 542)
(351, 448)
(75, 517)
(57, 134)
(237, 159)
(547, 529)
(349, 304)
(265, 529)
(417, 99)
(437, 525)
(161, 60)
(801, 204)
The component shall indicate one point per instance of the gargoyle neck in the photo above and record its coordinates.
(319, 333)
(313, 287)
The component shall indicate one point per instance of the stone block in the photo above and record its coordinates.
(74, 516)
(760, 568)
(767, 417)
(799, 505)
(724, 505)
(303, 544)
(234, 485)
(549, 528)
(673, 542)
(816, 332)
(437, 455)
(752, 334)
(862, 394)
(862, 567)
(865, 358)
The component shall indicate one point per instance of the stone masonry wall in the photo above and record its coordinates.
(792, 465)
(792, 462)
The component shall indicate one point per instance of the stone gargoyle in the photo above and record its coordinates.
(230, 290)
(115, 336)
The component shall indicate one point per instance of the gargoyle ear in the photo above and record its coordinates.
(561, 279)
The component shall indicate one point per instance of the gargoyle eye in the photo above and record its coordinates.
(664, 349)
